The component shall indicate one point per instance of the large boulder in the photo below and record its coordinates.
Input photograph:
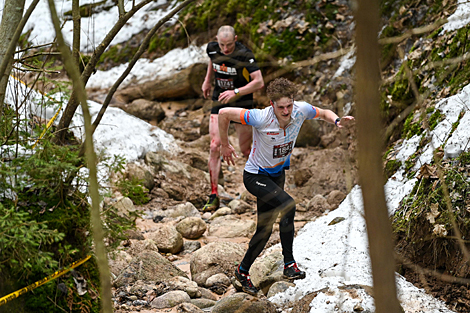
(148, 266)
(167, 238)
(214, 258)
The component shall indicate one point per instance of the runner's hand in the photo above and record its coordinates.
(206, 89)
(227, 152)
(346, 121)
(226, 96)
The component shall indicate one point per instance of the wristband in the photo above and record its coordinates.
(337, 120)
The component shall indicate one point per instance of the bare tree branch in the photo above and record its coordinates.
(412, 32)
(121, 8)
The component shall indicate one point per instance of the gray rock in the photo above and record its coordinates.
(318, 205)
(145, 109)
(191, 246)
(242, 302)
(203, 303)
(139, 246)
(191, 227)
(263, 267)
(335, 198)
(180, 283)
(218, 283)
(309, 134)
(188, 308)
(123, 206)
(214, 258)
(148, 266)
(186, 209)
(170, 299)
(207, 294)
(221, 212)
(167, 238)
(229, 227)
(139, 172)
(239, 206)
(279, 286)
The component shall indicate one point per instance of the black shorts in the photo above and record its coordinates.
(216, 106)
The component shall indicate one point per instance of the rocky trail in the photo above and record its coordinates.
(181, 259)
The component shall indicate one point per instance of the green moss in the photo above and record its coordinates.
(435, 119)
(118, 54)
(391, 167)
(411, 128)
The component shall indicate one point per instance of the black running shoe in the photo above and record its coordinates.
(291, 271)
(245, 281)
(212, 204)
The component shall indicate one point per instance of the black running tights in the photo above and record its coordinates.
(272, 200)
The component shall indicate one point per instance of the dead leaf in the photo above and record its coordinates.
(427, 171)
(439, 230)
(433, 214)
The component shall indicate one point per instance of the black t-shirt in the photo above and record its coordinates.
(231, 71)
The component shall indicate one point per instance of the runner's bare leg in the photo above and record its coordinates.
(214, 152)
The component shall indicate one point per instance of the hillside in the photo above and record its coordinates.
(313, 45)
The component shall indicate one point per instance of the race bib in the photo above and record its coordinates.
(225, 83)
(283, 150)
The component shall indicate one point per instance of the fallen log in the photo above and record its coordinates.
(183, 85)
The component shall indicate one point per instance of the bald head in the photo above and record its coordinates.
(226, 38)
(226, 31)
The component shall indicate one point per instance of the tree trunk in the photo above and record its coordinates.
(183, 85)
(11, 17)
(370, 147)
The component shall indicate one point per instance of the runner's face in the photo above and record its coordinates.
(226, 43)
(283, 109)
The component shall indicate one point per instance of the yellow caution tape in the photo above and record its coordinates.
(47, 126)
(41, 282)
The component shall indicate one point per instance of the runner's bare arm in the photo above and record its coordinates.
(330, 116)
(225, 116)
(206, 85)
(255, 84)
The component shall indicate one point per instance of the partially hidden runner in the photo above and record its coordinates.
(275, 130)
(237, 76)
